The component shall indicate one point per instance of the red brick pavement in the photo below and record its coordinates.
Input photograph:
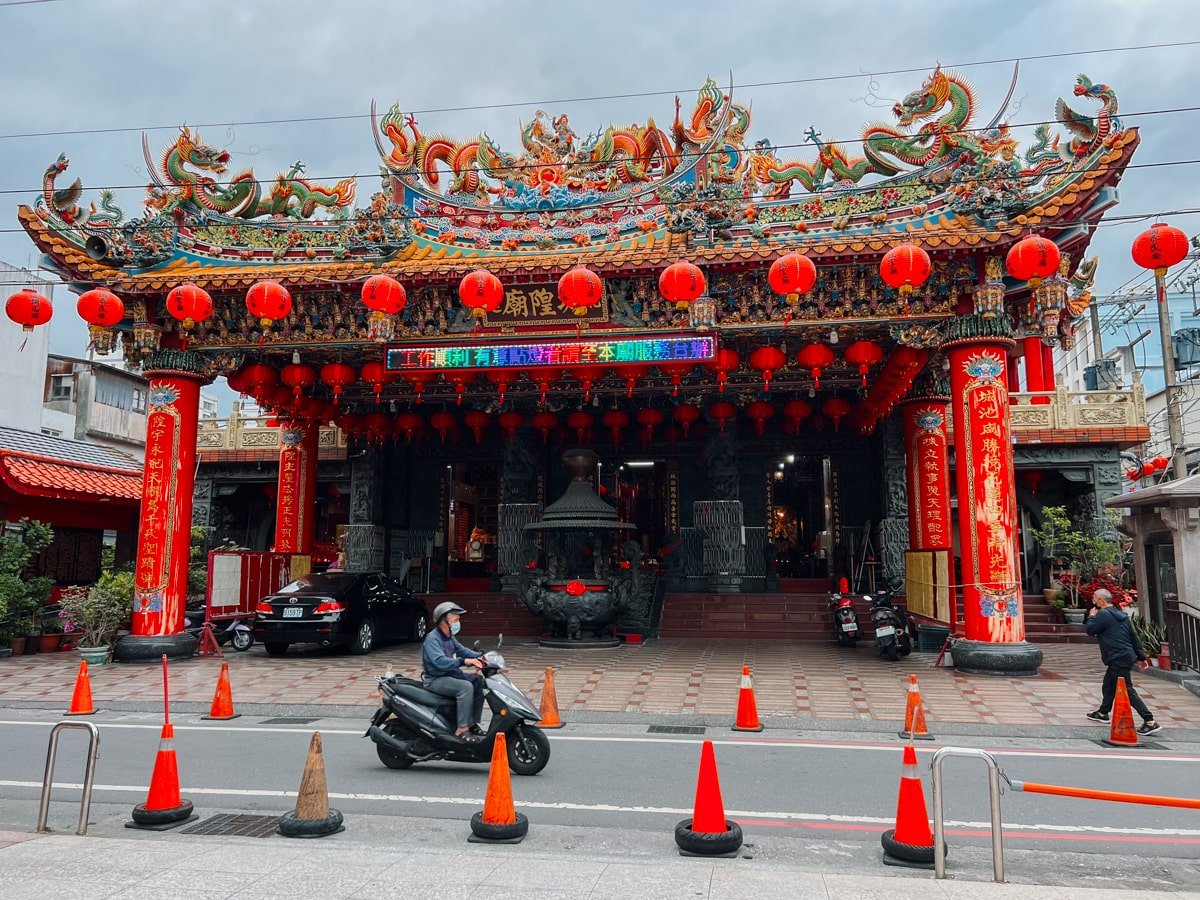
(668, 676)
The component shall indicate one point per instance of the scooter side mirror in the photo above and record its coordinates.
(476, 646)
(500, 642)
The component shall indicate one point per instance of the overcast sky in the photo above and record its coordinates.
(103, 64)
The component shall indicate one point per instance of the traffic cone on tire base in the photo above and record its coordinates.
(222, 705)
(708, 832)
(81, 698)
(549, 707)
(499, 822)
(164, 808)
(910, 843)
(312, 816)
(1122, 733)
(747, 708)
(914, 714)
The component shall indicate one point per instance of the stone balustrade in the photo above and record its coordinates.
(240, 432)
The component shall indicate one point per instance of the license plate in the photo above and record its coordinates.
(849, 626)
(885, 631)
(292, 612)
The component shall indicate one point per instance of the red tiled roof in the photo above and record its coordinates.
(42, 476)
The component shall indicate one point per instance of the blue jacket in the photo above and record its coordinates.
(442, 655)
(1118, 642)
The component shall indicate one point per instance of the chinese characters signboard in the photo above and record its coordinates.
(538, 304)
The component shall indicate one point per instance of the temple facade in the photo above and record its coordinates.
(793, 369)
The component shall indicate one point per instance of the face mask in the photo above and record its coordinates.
(455, 627)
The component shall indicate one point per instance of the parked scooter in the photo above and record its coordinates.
(416, 725)
(891, 631)
(234, 631)
(845, 619)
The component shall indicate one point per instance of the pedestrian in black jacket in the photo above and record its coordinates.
(1119, 650)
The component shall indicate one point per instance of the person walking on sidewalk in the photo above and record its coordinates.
(442, 659)
(1119, 650)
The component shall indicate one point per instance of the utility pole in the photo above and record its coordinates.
(1097, 343)
(1174, 415)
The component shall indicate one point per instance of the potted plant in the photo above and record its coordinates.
(1076, 558)
(52, 631)
(22, 597)
(1151, 635)
(97, 611)
(1057, 602)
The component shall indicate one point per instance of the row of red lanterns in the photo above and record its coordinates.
(1148, 468)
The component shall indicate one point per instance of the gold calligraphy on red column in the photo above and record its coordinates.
(159, 489)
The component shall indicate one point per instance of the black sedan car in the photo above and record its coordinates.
(356, 611)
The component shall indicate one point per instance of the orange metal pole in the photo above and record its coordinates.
(1058, 790)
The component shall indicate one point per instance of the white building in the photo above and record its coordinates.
(22, 356)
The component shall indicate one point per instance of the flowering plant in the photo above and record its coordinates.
(97, 611)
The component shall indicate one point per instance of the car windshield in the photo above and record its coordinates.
(323, 582)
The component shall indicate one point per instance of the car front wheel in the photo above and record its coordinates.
(275, 648)
(420, 627)
(364, 638)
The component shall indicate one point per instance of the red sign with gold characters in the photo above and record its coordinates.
(927, 465)
(160, 574)
(987, 505)
(297, 485)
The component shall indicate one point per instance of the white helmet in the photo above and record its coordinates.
(444, 609)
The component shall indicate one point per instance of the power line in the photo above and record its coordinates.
(624, 96)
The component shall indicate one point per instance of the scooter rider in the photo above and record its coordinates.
(442, 659)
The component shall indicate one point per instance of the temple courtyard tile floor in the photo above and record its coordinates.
(666, 678)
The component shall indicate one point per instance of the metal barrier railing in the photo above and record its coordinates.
(89, 776)
(939, 821)
(1183, 634)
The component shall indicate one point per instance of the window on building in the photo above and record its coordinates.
(60, 387)
(52, 432)
(139, 400)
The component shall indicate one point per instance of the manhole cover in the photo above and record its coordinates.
(229, 825)
(1141, 745)
(676, 729)
(288, 720)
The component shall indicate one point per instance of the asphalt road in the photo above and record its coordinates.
(787, 786)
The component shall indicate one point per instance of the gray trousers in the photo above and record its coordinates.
(468, 695)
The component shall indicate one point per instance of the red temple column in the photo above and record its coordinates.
(294, 515)
(927, 472)
(164, 533)
(987, 509)
(1047, 367)
(1033, 364)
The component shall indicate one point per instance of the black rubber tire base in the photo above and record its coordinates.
(238, 716)
(736, 728)
(165, 826)
(903, 734)
(705, 844)
(905, 854)
(483, 833)
(889, 860)
(169, 817)
(290, 826)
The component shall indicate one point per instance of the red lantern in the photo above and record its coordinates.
(864, 354)
(503, 379)
(544, 422)
(1160, 463)
(544, 378)
(277, 397)
(443, 423)
(460, 380)
(298, 376)
(580, 289)
(615, 420)
(408, 424)
(481, 292)
(101, 309)
(351, 423)
(835, 409)
(649, 418)
(726, 361)
(259, 377)
(1148, 469)
(338, 376)
(1032, 259)
(586, 376)
(478, 421)
(190, 304)
(1159, 247)
(510, 421)
(237, 382)
(721, 412)
(815, 357)
(795, 412)
(377, 375)
(377, 426)
(631, 374)
(581, 424)
(416, 381)
(29, 309)
(791, 275)
(384, 294)
(686, 415)
(767, 360)
(268, 301)
(904, 268)
(676, 371)
(681, 283)
(759, 412)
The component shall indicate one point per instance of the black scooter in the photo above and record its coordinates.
(415, 725)
(891, 631)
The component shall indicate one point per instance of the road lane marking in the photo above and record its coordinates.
(815, 819)
(785, 743)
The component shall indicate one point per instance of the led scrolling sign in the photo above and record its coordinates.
(599, 351)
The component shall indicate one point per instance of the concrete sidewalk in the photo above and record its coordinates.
(799, 681)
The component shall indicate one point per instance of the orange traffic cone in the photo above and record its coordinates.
(747, 708)
(549, 708)
(910, 843)
(222, 705)
(164, 808)
(81, 699)
(708, 832)
(914, 714)
(499, 822)
(1122, 733)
